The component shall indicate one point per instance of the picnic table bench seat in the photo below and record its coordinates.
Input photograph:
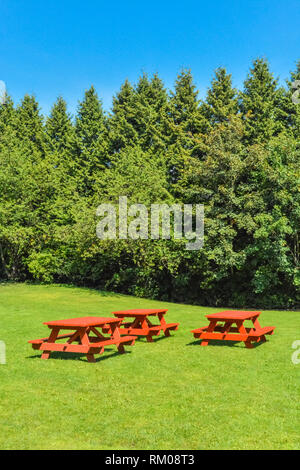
(95, 343)
(172, 326)
(41, 344)
(127, 328)
(37, 342)
(267, 330)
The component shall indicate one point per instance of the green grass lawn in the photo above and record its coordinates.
(169, 394)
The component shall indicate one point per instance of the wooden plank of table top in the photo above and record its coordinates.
(135, 312)
(82, 322)
(233, 315)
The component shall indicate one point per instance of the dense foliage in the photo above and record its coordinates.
(237, 152)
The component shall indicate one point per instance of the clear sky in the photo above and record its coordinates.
(53, 47)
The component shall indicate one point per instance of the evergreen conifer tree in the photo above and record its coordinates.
(185, 125)
(30, 128)
(258, 103)
(151, 104)
(221, 101)
(91, 140)
(7, 115)
(122, 128)
(59, 129)
(288, 106)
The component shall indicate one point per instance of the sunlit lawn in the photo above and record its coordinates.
(169, 394)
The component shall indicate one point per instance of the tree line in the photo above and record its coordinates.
(236, 151)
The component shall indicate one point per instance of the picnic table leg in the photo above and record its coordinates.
(226, 327)
(115, 333)
(97, 333)
(84, 339)
(121, 349)
(163, 324)
(51, 339)
(45, 355)
(210, 329)
(145, 326)
(257, 326)
(91, 358)
(82, 336)
(256, 323)
(149, 325)
(243, 331)
(75, 337)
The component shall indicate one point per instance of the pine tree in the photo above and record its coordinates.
(184, 101)
(59, 129)
(8, 126)
(288, 110)
(221, 101)
(152, 92)
(91, 140)
(138, 115)
(137, 122)
(30, 128)
(123, 99)
(185, 125)
(7, 115)
(258, 103)
(122, 126)
(151, 103)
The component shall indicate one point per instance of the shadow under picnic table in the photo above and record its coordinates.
(79, 356)
(231, 344)
(143, 339)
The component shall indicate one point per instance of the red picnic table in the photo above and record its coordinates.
(141, 325)
(85, 332)
(220, 328)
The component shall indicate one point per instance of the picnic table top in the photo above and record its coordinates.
(233, 315)
(82, 322)
(135, 312)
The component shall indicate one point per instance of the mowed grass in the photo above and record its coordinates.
(169, 394)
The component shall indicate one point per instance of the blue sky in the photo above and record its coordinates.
(62, 47)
